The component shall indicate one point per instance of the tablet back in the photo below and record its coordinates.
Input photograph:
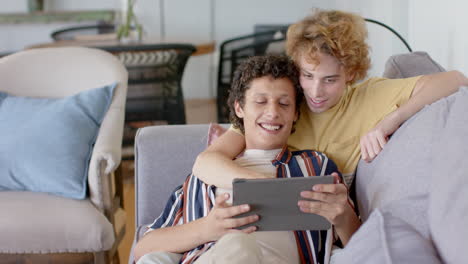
(275, 201)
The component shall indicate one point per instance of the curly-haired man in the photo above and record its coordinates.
(340, 117)
(199, 224)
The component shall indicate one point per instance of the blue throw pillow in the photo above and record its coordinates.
(46, 144)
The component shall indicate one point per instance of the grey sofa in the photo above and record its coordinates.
(397, 184)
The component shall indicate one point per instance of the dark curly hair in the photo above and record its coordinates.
(276, 66)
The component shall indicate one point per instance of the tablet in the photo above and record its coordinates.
(275, 201)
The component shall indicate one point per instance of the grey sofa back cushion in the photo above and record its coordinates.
(410, 64)
(402, 167)
(162, 165)
(448, 202)
(420, 178)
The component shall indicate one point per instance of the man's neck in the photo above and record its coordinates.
(265, 149)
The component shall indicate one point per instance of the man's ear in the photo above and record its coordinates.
(239, 110)
(349, 77)
(296, 116)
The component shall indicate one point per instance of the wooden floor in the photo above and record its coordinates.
(197, 112)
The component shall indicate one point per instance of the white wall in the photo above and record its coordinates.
(14, 6)
(441, 30)
(192, 20)
(425, 24)
(15, 37)
(383, 43)
(234, 18)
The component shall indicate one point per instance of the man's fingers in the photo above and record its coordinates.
(372, 144)
(311, 206)
(246, 230)
(241, 221)
(318, 196)
(231, 211)
(329, 188)
(337, 178)
(221, 199)
(375, 146)
(366, 152)
(318, 208)
(363, 150)
(249, 229)
(326, 193)
(382, 141)
(370, 150)
(328, 198)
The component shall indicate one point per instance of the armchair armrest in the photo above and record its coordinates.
(107, 150)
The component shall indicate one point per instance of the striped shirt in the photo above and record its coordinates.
(194, 199)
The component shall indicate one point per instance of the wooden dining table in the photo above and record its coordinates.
(110, 41)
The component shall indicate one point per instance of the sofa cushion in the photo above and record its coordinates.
(215, 130)
(412, 209)
(448, 202)
(42, 223)
(410, 64)
(386, 238)
(404, 166)
(46, 143)
(151, 179)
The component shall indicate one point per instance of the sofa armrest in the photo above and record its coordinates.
(164, 156)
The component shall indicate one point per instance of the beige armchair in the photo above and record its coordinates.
(43, 228)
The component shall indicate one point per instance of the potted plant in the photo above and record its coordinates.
(130, 29)
(35, 5)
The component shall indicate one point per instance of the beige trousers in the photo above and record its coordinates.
(235, 248)
(160, 258)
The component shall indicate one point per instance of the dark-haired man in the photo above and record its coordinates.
(198, 224)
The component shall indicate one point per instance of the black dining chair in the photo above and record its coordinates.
(272, 40)
(233, 51)
(154, 93)
(70, 33)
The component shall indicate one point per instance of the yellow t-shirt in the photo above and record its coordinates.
(337, 131)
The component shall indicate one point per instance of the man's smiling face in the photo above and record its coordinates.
(268, 113)
(324, 83)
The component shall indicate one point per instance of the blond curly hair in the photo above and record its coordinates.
(339, 34)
